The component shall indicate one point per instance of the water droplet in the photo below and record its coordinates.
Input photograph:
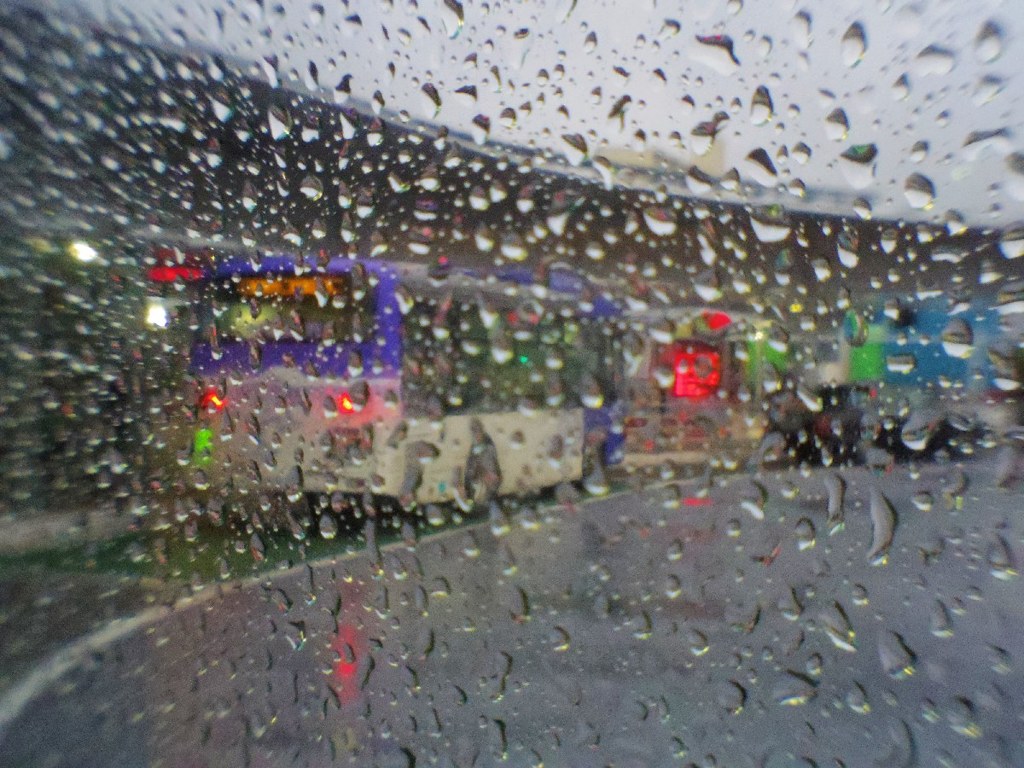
(560, 640)
(846, 248)
(958, 339)
(431, 99)
(962, 719)
(919, 191)
(731, 696)
(708, 286)
(853, 45)
(988, 43)
(883, 526)
(480, 129)
(596, 483)
(855, 329)
(897, 659)
(754, 499)
(675, 551)
(940, 621)
(697, 642)
(452, 17)
(328, 526)
(902, 364)
(1000, 660)
(280, 122)
(576, 148)
(513, 248)
(800, 29)
(836, 488)
(805, 534)
(257, 548)
(1015, 177)
(644, 626)
(770, 229)
(862, 207)
(716, 52)
(858, 165)
(1000, 559)
(759, 166)
(761, 108)
(660, 221)
(836, 625)
(793, 689)
(789, 606)
(837, 125)
(312, 188)
(935, 60)
(857, 699)
(917, 430)
(673, 586)
(815, 666)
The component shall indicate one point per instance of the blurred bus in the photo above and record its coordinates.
(363, 376)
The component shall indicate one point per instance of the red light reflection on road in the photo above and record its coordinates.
(349, 646)
(697, 501)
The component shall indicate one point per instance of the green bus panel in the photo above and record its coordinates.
(867, 362)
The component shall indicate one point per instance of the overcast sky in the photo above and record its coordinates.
(959, 63)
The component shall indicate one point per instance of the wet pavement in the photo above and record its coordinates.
(753, 623)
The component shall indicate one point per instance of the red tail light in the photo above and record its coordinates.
(170, 273)
(212, 401)
(345, 404)
(697, 374)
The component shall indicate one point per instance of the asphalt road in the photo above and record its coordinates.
(659, 627)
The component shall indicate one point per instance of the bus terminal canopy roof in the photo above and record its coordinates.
(889, 69)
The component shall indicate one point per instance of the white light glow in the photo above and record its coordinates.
(83, 252)
(156, 315)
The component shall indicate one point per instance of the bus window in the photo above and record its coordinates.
(291, 309)
(502, 358)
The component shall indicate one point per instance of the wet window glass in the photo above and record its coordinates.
(437, 382)
(286, 309)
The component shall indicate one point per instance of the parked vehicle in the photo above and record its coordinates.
(347, 376)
